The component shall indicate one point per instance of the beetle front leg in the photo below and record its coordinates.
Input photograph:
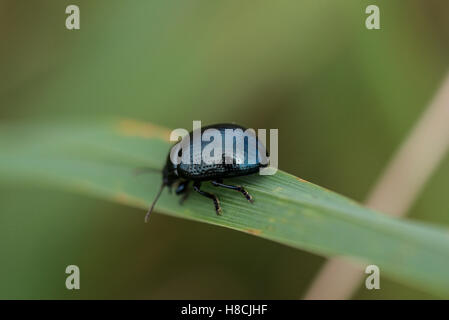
(183, 188)
(197, 186)
(240, 189)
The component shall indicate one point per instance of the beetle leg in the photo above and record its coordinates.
(197, 186)
(184, 196)
(183, 188)
(240, 189)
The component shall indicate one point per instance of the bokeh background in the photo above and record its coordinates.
(343, 98)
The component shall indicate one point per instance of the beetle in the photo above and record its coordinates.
(183, 174)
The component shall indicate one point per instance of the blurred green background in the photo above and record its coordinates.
(343, 98)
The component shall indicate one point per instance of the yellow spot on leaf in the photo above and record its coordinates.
(130, 127)
(124, 198)
(302, 180)
(121, 198)
(254, 231)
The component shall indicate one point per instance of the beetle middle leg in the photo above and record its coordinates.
(183, 188)
(219, 183)
(197, 186)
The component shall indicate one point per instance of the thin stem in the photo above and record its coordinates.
(395, 191)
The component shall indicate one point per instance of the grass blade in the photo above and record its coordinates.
(99, 159)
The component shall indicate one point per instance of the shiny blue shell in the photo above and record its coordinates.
(250, 157)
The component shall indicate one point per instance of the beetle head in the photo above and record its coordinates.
(169, 175)
(168, 178)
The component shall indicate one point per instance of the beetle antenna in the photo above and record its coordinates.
(147, 216)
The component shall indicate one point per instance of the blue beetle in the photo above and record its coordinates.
(183, 174)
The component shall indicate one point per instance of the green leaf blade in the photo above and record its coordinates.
(99, 158)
